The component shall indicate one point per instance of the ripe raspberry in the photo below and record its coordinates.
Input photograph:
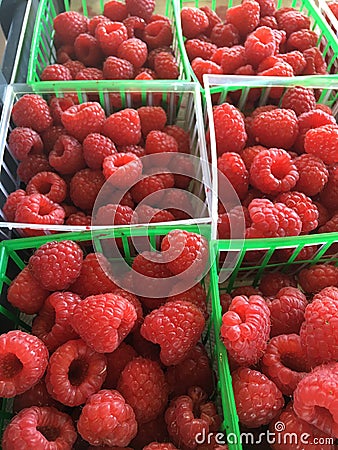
(117, 425)
(135, 26)
(268, 21)
(153, 431)
(249, 154)
(103, 321)
(24, 142)
(299, 99)
(59, 104)
(56, 265)
(116, 362)
(315, 399)
(115, 215)
(39, 427)
(147, 214)
(147, 187)
(176, 337)
(159, 446)
(284, 362)
(315, 63)
(323, 142)
(32, 165)
(245, 347)
(279, 69)
(141, 8)
(133, 50)
(23, 360)
(160, 142)
(95, 276)
(56, 72)
(194, 370)
(329, 195)
(296, 60)
(272, 171)
(166, 66)
(229, 129)
(318, 277)
(196, 48)
(85, 186)
(244, 17)
(213, 19)
(324, 214)
(95, 148)
(35, 396)
(334, 8)
(158, 34)
(51, 135)
(52, 324)
(32, 111)
(79, 219)
(89, 73)
(259, 45)
(143, 385)
(74, 67)
(262, 400)
(185, 253)
(11, 204)
(272, 220)
(272, 282)
(81, 120)
(194, 21)
(95, 21)
(110, 36)
(302, 40)
(135, 149)
(224, 35)
(122, 170)
(69, 25)
(48, 184)
(87, 50)
(292, 21)
(65, 53)
(313, 174)
(202, 67)
(331, 226)
(151, 58)
(67, 155)
(115, 10)
(195, 295)
(117, 69)
(233, 168)
(189, 415)
(123, 127)
(152, 118)
(303, 206)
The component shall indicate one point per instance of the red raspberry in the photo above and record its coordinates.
(329, 195)
(194, 370)
(272, 282)
(117, 425)
(11, 204)
(315, 63)
(159, 446)
(103, 321)
(272, 220)
(69, 25)
(165, 66)
(95, 148)
(195, 295)
(135, 149)
(110, 36)
(259, 45)
(233, 168)
(89, 73)
(133, 50)
(123, 127)
(299, 99)
(268, 21)
(152, 118)
(160, 142)
(331, 226)
(24, 359)
(279, 69)
(324, 214)
(56, 72)
(135, 26)
(69, 209)
(303, 206)
(213, 19)
(296, 60)
(85, 187)
(323, 142)
(117, 69)
(95, 276)
(196, 48)
(155, 430)
(32, 165)
(40, 428)
(185, 253)
(141, 8)
(230, 223)
(81, 120)
(318, 277)
(74, 67)
(51, 135)
(224, 35)
(292, 21)
(32, 111)
(229, 129)
(176, 337)
(315, 399)
(158, 34)
(249, 154)
(24, 142)
(272, 171)
(262, 400)
(284, 362)
(115, 10)
(287, 309)
(122, 170)
(201, 67)
(35, 396)
(302, 40)
(52, 324)
(115, 215)
(67, 155)
(146, 188)
(244, 17)
(49, 184)
(244, 346)
(79, 219)
(153, 54)
(334, 8)
(267, 7)
(116, 362)
(189, 415)
(87, 50)
(313, 174)
(194, 21)
(95, 21)
(147, 214)
(143, 385)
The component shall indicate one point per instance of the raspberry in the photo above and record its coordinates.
(165, 66)
(160, 142)
(147, 214)
(268, 21)
(329, 195)
(135, 149)
(244, 346)
(185, 253)
(259, 45)
(48, 184)
(315, 63)
(299, 99)
(303, 206)
(24, 142)
(159, 446)
(143, 385)
(262, 400)
(302, 40)
(279, 69)
(95, 276)
(79, 219)
(23, 361)
(318, 277)
(213, 19)
(85, 186)
(122, 170)
(116, 362)
(224, 35)
(176, 337)
(272, 282)
(231, 224)
(67, 155)
(95, 21)
(117, 69)
(74, 67)
(147, 187)
(69, 25)
(133, 50)
(135, 26)
(89, 73)
(141, 8)
(52, 324)
(272, 220)
(56, 72)
(51, 135)
(123, 127)
(11, 204)
(331, 226)
(195, 295)
(292, 21)
(115, 215)
(40, 428)
(194, 21)
(153, 54)
(117, 425)
(296, 60)
(103, 321)
(311, 119)
(272, 171)
(32, 165)
(323, 142)
(284, 362)
(110, 36)
(202, 67)
(194, 370)
(35, 396)
(233, 168)
(155, 430)
(229, 129)
(81, 120)
(95, 148)
(249, 154)
(87, 50)
(267, 7)
(32, 111)
(189, 415)
(196, 48)
(115, 10)
(158, 34)
(244, 17)
(324, 214)
(313, 174)
(152, 118)
(315, 399)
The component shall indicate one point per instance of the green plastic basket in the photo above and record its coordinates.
(328, 14)
(327, 41)
(43, 51)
